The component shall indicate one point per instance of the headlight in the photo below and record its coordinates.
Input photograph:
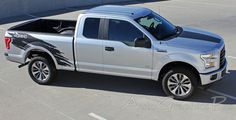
(210, 60)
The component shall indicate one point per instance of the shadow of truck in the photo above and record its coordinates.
(66, 10)
(136, 86)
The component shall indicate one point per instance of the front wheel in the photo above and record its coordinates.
(179, 83)
(41, 70)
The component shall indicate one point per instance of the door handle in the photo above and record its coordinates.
(109, 49)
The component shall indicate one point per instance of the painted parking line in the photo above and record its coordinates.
(221, 94)
(232, 57)
(96, 116)
(63, 114)
(3, 81)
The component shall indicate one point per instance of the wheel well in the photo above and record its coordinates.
(33, 54)
(183, 65)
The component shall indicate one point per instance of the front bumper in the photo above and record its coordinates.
(207, 78)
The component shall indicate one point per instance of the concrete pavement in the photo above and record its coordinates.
(79, 96)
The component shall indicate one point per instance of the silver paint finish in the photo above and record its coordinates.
(90, 55)
(132, 12)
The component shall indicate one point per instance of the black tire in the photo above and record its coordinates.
(169, 77)
(51, 70)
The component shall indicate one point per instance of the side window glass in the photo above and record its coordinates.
(91, 28)
(123, 31)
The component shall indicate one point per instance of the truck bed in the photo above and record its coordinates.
(64, 27)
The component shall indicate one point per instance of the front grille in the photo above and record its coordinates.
(222, 58)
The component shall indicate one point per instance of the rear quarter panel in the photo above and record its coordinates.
(57, 46)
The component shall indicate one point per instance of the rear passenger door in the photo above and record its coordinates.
(120, 55)
(89, 46)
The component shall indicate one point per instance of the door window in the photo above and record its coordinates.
(123, 31)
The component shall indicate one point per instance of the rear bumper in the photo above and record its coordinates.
(14, 58)
(214, 76)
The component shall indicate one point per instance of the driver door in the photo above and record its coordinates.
(120, 56)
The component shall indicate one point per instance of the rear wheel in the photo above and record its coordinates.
(179, 83)
(41, 70)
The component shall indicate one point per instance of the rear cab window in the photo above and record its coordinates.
(91, 28)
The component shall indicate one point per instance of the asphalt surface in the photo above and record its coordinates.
(83, 96)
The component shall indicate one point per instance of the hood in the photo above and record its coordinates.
(197, 40)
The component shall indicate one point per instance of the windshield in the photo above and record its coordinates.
(159, 27)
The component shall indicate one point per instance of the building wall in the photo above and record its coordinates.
(10, 8)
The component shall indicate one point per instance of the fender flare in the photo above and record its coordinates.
(40, 49)
(176, 57)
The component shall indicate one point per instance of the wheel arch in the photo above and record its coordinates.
(174, 64)
(30, 53)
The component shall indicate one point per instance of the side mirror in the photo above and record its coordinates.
(142, 42)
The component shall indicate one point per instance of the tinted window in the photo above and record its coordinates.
(157, 26)
(123, 31)
(91, 28)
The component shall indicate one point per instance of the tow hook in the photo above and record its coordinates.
(24, 64)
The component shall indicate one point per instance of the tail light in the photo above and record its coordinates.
(7, 42)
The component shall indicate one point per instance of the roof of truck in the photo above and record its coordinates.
(133, 12)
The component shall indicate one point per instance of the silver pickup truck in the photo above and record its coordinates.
(121, 41)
